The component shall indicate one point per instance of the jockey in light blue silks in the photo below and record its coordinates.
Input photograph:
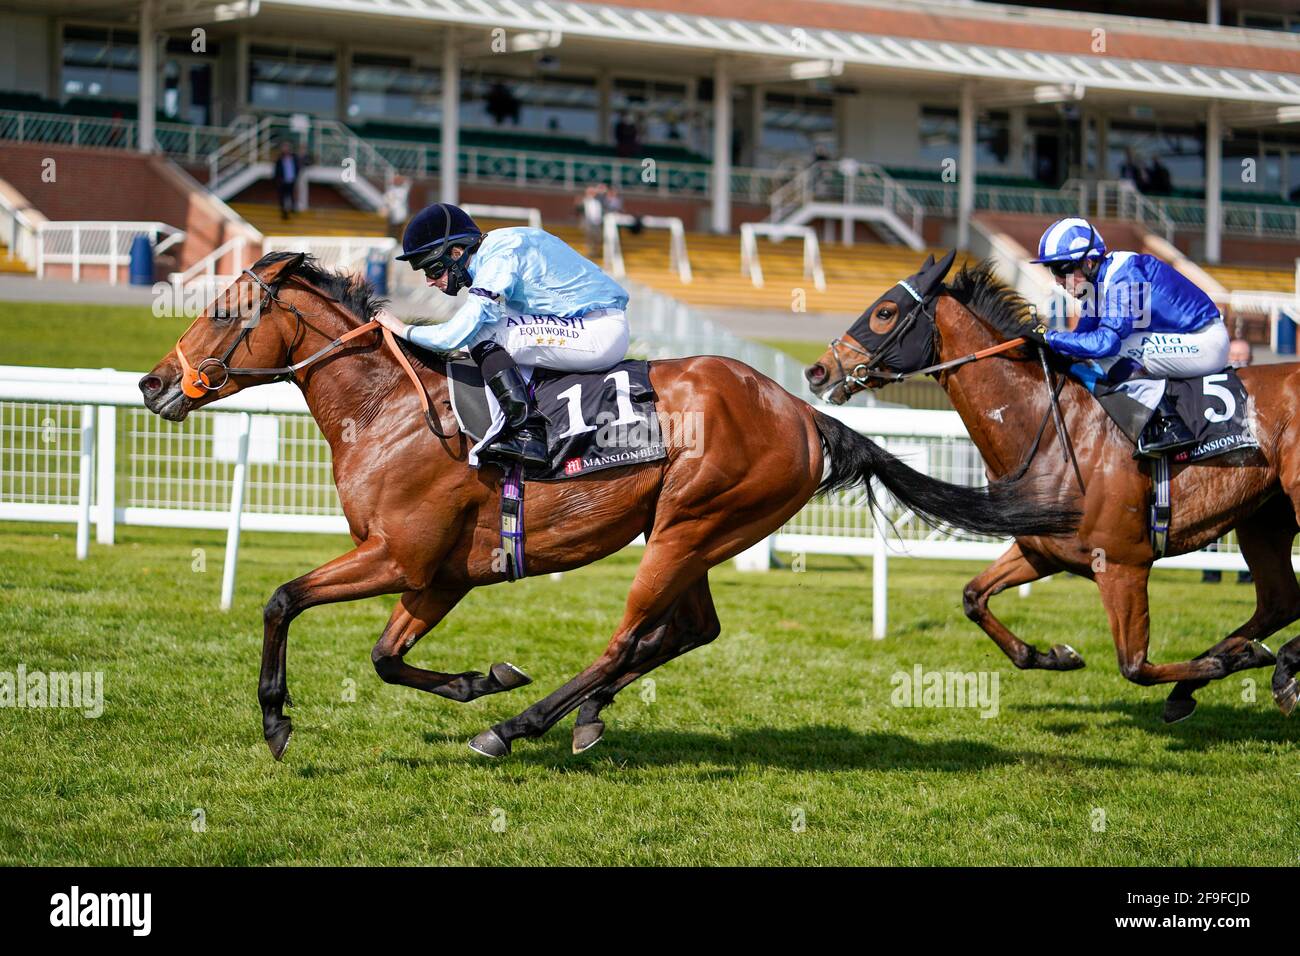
(1139, 317)
(532, 301)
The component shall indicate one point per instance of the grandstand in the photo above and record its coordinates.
(888, 130)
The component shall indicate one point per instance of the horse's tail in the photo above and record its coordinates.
(1005, 509)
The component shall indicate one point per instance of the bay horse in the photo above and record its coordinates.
(968, 335)
(426, 525)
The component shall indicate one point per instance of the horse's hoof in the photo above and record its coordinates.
(1286, 696)
(1066, 658)
(586, 736)
(1178, 708)
(278, 738)
(490, 744)
(508, 677)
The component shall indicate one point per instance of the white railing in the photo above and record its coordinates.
(1120, 199)
(81, 244)
(528, 214)
(848, 190)
(204, 273)
(678, 260)
(812, 253)
(181, 141)
(345, 253)
(86, 452)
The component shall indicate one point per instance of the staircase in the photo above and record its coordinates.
(11, 264)
(335, 155)
(851, 192)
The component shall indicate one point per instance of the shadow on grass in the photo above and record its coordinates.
(814, 747)
(1211, 725)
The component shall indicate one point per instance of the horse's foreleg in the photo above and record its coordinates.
(363, 572)
(693, 623)
(417, 613)
(1124, 594)
(1265, 538)
(1013, 568)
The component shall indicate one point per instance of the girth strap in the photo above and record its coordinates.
(1161, 507)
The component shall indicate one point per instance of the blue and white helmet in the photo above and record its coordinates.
(1069, 239)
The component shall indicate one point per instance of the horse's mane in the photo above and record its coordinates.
(979, 289)
(353, 292)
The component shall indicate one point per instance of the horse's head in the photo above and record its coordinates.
(243, 326)
(894, 336)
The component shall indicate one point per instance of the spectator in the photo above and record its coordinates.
(1159, 182)
(627, 139)
(592, 210)
(1132, 173)
(288, 173)
(1239, 356)
(502, 104)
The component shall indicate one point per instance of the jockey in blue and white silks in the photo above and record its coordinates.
(1134, 307)
(533, 301)
(1139, 317)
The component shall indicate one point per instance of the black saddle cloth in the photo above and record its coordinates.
(1213, 407)
(594, 420)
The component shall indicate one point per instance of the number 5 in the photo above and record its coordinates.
(1209, 389)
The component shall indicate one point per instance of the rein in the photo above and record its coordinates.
(864, 372)
(212, 373)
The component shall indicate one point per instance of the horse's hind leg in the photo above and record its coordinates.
(416, 614)
(1124, 594)
(693, 623)
(672, 562)
(1013, 568)
(1265, 539)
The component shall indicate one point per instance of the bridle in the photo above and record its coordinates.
(863, 372)
(212, 373)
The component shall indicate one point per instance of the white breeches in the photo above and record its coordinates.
(1178, 354)
(584, 343)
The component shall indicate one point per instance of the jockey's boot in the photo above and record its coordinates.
(523, 438)
(1164, 433)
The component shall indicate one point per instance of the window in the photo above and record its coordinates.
(291, 79)
(100, 63)
(565, 105)
(391, 87)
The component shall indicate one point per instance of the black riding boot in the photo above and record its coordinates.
(523, 439)
(1165, 432)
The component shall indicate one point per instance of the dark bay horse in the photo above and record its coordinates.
(426, 524)
(1002, 397)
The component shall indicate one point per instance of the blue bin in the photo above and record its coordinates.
(377, 272)
(1285, 335)
(141, 261)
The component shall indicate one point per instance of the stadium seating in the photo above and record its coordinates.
(9, 264)
(323, 221)
(1252, 279)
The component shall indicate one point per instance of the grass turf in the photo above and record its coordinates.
(787, 717)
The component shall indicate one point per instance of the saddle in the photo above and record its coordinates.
(1213, 409)
(594, 420)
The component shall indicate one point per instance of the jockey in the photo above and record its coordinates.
(1139, 317)
(532, 301)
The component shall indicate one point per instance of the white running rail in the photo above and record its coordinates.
(86, 451)
(677, 257)
(812, 252)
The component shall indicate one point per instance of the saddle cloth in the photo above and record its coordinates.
(1213, 407)
(594, 420)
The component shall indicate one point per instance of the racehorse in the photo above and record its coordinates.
(426, 524)
(1002, 387)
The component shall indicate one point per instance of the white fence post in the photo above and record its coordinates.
(757, 557)
(85, 480)
(237, 488)
(106, 479)
(879, 582)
